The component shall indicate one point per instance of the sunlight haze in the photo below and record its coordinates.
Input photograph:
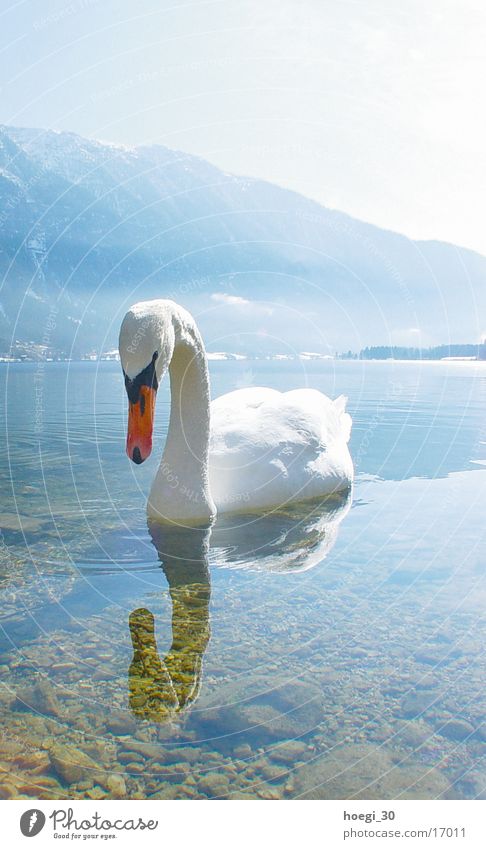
(374, 109)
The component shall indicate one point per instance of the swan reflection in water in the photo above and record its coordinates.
(159, 689)
(293, 539)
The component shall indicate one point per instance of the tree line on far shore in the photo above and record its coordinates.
(395, 352)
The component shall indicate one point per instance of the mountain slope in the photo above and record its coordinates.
(86, 228)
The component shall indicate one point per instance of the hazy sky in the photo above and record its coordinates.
(375, 107)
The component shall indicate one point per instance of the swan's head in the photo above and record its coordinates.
(146, 345)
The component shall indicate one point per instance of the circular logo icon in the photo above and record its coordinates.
(32, 822)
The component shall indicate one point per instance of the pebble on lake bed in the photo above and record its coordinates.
(72, 764)
(456, 729)
(41, 697)
(117, 787)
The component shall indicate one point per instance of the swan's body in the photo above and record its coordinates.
(249, 450)
(270, 448)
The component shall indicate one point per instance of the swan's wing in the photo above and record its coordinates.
(327, 420)
(252, 397)
(260, 415)
(268, 447)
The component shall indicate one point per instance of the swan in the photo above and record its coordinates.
(249, 450)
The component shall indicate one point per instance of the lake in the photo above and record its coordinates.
(334, 650)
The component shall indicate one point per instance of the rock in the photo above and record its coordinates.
(433, 657)
(264, 791)
(168, 731)
(158, 769)
(96, 793)
(9, 749)
(481, 732)
(7, 700)
(183, 753)
(358, 652)
(38, 731)
(166, 791)
(240, 794)
(101, 752)
(135, 768)
(120, 723)
(7, 791)
(130, 757)
(213, 785)
(416, 703)
(287, 711)
(148, 750)
(380, 732)
(243, 751)
(117, 787)
(33, 791)
(367, 772)
(427, 682)
(456, 729)
(84, 785)
(47, 782)
(288, 752)
(177, 772)
(101, 673)
(269, 771)
(71, 764)
(414, 733)
(41, 698)
(32, 761)
(188, 792)
(17, 522)
(473, 784)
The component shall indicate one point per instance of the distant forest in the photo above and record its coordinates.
(385, 352)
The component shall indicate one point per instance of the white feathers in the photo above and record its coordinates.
(269, 448)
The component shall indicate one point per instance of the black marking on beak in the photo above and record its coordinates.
(147, 377)
(136, 456)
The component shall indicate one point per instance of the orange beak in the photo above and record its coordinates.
(141, 425)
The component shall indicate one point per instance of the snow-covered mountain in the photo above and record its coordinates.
(86, 228)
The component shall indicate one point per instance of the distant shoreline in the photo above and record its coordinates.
(465, 352)
(244, 358)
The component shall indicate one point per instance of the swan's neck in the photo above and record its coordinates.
(180, 491)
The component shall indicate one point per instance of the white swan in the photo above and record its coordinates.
(264, 448)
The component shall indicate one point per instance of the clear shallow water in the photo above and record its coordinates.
(335, 651)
